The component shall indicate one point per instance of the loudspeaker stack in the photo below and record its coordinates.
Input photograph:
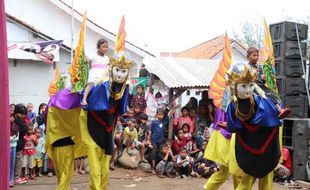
(288, 65)
(296, 137)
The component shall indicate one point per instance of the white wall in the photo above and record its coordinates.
(56, 23)
(28, 82)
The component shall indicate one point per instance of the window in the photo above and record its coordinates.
(197, 93)
(188, 92)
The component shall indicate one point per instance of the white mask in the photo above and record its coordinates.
(245, 90)
(119, 75)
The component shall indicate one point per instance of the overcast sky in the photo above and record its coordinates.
(176, 25)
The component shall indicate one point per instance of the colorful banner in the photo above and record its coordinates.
(47, 51)
(79, 66)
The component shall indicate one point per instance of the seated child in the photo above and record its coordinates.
(204, 167)
(131, 138)
(195, 151)
(284, 170)
(252, 55)
(179, 142)
(98, 68)
(166, 163)
(184, 163)
(126, 117)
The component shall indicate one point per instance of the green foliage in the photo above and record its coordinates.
(251, 33)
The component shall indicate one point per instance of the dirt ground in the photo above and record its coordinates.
(131, 180)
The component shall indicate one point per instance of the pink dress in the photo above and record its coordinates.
(99, 68)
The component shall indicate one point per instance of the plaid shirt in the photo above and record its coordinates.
(138, 101)
(259, 70)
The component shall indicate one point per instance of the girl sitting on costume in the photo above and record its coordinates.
(98, 68)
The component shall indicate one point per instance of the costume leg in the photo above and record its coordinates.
(236, 181)
(217, 179)
(63, 158)
(246, 182)
(98, 167)
(265, 183)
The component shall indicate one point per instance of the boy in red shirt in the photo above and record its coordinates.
(284, 170)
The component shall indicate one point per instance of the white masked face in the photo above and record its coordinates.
(245, 90)
(119, 75)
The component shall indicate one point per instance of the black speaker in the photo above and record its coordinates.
(298, 105)
(291, 86)
(300, 158)
(288, 68)
(296, 133)
(288, 49)
(286, 31)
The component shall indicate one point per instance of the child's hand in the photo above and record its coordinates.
(132, 146)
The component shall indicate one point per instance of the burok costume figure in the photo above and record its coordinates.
(254, 120)
(73, 132)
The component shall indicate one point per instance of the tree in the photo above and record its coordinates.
(251, 33)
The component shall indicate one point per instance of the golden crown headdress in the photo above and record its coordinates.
(245, 76)
(121, 60)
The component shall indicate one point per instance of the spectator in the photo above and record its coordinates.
(202, 123)
(192, 104)
(31, 115)
(184, 118)
(157, 133)
(179, 142)
(187, 136)
(184, 163)
(193, 115)
(205, 101)
(138, 100)
(144, 131)
(284, 170)
(12, 108)
(195, 151)
(20, 113)
(137, 112)
(204, 167)
(166, 163)
(117, 143)
(131, 138)
(40, 151)
(29, 150)
(14, 133)
(127, 117)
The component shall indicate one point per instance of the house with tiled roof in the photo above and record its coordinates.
(213, 49)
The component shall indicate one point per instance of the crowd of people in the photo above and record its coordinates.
(181, 156)
(178, 157)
